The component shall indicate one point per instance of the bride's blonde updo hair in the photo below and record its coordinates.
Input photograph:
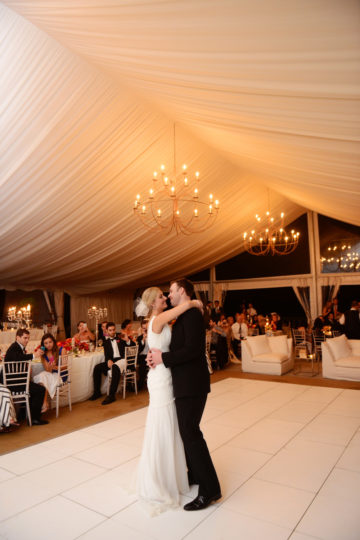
(144, 307)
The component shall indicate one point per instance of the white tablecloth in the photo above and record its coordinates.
(82, 368)
(8, 336)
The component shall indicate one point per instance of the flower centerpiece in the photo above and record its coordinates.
(65, 346)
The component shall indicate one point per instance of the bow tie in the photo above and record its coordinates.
(112, 339)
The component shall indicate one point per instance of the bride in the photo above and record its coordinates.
(162, 472)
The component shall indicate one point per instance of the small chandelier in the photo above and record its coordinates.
(269, 239)
(343, 256)
(173, 202)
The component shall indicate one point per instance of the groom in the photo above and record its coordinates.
(191, 382)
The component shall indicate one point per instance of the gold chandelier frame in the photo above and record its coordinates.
(271, 240)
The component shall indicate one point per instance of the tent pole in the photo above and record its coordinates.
(314, 250)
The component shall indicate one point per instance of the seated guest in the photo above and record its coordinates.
(17, 353)
(240, 328)
(230, 320)
(255, 323)
(84, 334)
(143, 350)
(218, 342)
(7, 411)
(333, 323)
(275, 322)
(127, 332)
(319, 324)
(102, 331)
(209, 308)
(216, 311)
(351, 321)
(114, 350)
(261, 321)
(49, 377)
(327, 309)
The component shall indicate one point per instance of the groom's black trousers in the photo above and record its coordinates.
(201, 469)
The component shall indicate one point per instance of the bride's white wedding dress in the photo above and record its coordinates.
(162, 472)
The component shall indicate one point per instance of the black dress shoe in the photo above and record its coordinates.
(94, 397)
(107, 400)
(39, 422)
(201, 502)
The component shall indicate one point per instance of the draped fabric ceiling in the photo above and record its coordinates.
(264, 93)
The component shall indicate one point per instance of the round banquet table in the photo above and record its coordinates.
(82, 368)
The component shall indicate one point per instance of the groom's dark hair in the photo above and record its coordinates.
(186, 284)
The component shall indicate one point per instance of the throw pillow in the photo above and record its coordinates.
(278, 344)
(258, 345)
(339, 347)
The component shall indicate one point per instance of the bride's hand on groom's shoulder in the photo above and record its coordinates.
(197, 304)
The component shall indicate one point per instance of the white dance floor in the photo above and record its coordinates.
(287, 456)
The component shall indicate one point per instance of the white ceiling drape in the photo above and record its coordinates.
(265, 94)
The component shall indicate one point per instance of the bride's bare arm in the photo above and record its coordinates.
(167, 316)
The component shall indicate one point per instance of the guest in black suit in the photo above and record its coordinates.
(114, 350)
(191, 383)
(17, 353)
(143, 350)
(351, 321)
(216, 311)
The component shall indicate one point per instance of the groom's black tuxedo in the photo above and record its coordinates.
(187, 358)
(191, 382)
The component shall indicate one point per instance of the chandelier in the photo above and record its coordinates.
(342, 255)
(270, 239)
(173, 202)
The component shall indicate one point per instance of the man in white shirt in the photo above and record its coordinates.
(251, 310)
(239, 330)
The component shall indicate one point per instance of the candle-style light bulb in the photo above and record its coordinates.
(217, 204)
(159, 212)
(186, 181)
(197, 174)
(196, 212)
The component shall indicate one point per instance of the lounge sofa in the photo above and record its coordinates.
(269, 355)
(341, 358)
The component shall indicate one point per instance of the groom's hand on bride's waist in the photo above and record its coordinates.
(154, 358)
